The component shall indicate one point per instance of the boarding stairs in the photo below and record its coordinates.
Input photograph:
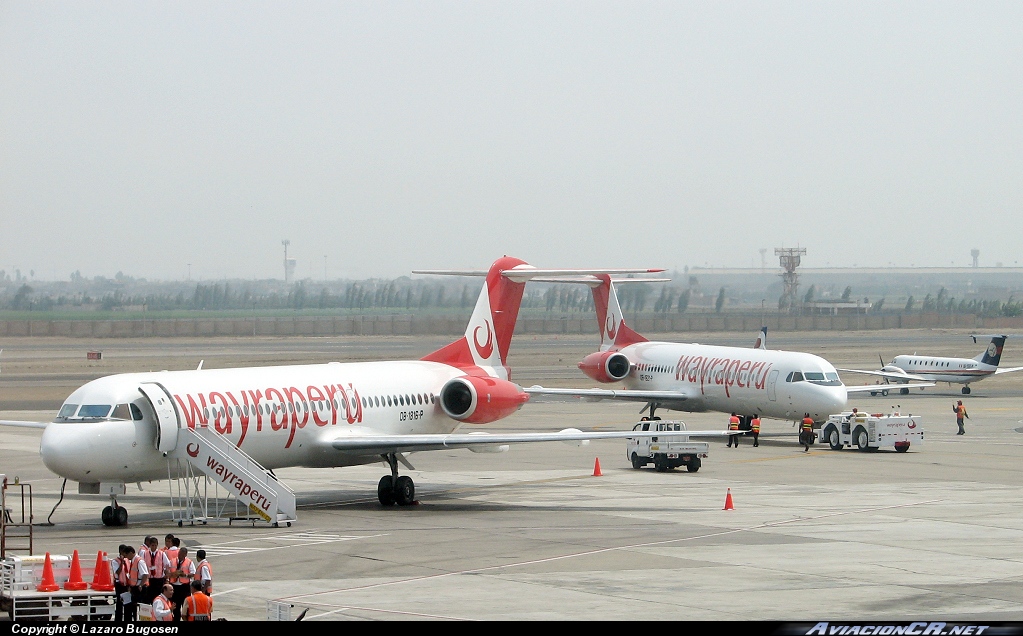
(204, 464)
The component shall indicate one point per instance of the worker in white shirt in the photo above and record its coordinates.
(163, 607)
(204, 572)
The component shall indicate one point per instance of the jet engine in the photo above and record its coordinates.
(479, 400)
(606, 366)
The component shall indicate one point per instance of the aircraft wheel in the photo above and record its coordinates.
(873, 393)
(404, 491)
(107, 516)
(636, 462)
(385, 491)
(833, 440)
(862, 440)
(903, 391)
(694, 465)
(902, 447)
(120, 516)
(885, 393)
(966, 390)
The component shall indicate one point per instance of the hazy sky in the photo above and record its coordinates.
(380, 137)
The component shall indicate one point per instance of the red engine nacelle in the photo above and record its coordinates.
(606, 366)
(479, 400)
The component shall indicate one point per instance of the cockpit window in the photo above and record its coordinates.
(94, 410)
(795, 376)
(829, 379)
(68, 410)
(136, 412)
(121, 412)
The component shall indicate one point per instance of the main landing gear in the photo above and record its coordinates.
(966, 390)
(393, 489)
(114, 515)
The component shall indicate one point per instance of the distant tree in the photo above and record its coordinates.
(846, 294)
(909, 303)
(808, 298)
(22, 299)
(878, 305)
(683, 301)
(720, 302)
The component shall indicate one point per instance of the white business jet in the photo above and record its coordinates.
(907, 368)
(783, 385)
(134, 427)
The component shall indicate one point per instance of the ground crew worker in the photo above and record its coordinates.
(754, 427)
(961, 415)
(170, 547)
(181, 575)
(163, 607)
(733, 425)
(204, 572)
(157, 564)
(133, 575)
(198, 606)
(119, 587)
(806, 432)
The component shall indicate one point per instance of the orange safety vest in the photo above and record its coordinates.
(173, 578)
(154, 562)
(733, 424)
(128, 573)
(961, 412)
(755, 425)
(200, 607)
(198, 573)
(807, 424)
(166, 605)
(172, 554)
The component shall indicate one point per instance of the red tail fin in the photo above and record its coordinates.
(614, 333)
(489, 332)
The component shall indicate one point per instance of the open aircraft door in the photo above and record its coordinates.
(166, 416)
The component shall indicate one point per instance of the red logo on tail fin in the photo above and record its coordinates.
(612, 329)
(486, 349)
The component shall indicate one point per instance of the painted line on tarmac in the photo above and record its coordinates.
(494, 568)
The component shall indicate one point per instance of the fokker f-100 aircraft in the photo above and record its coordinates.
(775, 384)
(126, 428)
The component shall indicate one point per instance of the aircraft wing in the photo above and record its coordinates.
(997, 371)
(23, 424)
(875, 388)
(482, 440)
(596, 395)
(900, 377)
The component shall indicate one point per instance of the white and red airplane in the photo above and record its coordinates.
(907, 368)
(120, 428)
(775, 384)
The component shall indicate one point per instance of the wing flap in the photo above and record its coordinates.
(876, 388)
(596, 395)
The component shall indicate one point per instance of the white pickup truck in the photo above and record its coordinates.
(667, 452)
(872, 432)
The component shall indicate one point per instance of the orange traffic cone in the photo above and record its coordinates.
(596, 468)
(75, 582)
(728, 501)
(48, 584)
(101, 575)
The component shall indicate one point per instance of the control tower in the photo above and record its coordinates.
(788, 257)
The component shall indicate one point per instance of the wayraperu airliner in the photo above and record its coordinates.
(121, 428)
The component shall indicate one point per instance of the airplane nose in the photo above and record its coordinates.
(89, 451)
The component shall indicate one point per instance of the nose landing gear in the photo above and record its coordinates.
(393, 489)
(114, 515)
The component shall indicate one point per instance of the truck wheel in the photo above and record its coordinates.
(660, 465)
(885, 393)
(902, 447)
(833, 440)
(693, 465)
(862, 440)
(637, 463)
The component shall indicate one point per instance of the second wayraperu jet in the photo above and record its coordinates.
(782, 385)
